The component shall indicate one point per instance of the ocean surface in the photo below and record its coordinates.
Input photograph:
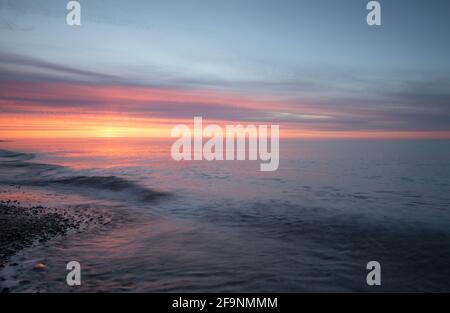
(224, 226)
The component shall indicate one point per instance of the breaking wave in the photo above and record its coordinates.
(16, 170)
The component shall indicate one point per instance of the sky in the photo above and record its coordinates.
(137, 68)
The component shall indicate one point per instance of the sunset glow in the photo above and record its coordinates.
(47, 110)
(243, 147)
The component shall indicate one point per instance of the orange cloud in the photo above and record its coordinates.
(61, 110)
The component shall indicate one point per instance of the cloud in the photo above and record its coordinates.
(24, 66)
(328, 100)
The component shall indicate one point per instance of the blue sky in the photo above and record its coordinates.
(309, 56)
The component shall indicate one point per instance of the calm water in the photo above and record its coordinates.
(312, 225)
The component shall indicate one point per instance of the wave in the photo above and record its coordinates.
(13, 156)
(15, 169)
(108, 183)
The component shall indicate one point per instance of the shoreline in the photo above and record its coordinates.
(22, 227)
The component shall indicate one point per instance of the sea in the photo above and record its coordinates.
(313, 225)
